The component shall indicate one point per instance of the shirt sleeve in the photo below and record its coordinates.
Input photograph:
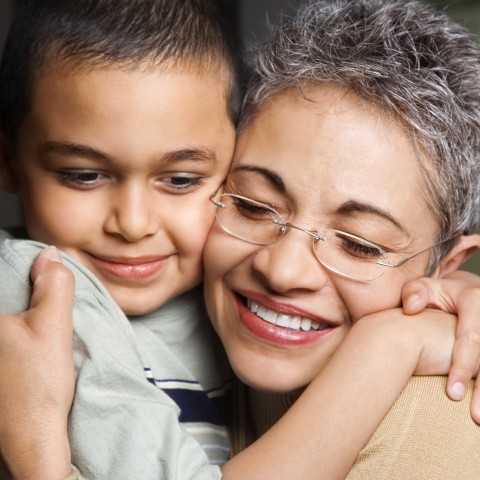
(120, 426)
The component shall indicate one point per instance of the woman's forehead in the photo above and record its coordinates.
(337, 148)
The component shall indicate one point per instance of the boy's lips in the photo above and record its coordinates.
(280, 324)
(130, 268)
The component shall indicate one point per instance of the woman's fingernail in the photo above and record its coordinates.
(51, 254)
(457, 391)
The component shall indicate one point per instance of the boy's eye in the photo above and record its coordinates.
(181, 183)
(85, 179)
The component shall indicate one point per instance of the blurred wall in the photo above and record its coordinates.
(10, 210)
(252, 16)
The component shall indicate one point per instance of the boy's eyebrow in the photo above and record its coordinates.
(201, 154)
(354, 206)
(72, 149)
(270, 175)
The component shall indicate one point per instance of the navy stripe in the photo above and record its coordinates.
(196, 406)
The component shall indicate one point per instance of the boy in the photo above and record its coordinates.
(117, 122)
(128, 228)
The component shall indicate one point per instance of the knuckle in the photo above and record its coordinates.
(472, 296)
(472, 336)
(462, 371)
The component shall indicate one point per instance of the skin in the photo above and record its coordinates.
(262, 462)
(360, 174)
(115, 168)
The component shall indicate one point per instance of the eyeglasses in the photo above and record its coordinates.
(340, 252)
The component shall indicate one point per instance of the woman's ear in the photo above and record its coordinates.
(465, 247)
(8, 177)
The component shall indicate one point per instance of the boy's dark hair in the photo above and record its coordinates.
(194, 34)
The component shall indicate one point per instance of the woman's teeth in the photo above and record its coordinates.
(285, 321)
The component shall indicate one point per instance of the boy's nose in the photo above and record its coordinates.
(132, 214)
(290, 264)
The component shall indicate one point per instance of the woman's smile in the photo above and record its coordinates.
(279, 324)
(359, 178)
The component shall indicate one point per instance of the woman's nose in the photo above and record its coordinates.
(132, 214)
(290, 264)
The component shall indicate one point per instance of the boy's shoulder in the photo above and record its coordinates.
(17, 254)
(19, 232)
(99, 323)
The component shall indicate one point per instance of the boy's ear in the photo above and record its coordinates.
(8, 177)
(465, 247)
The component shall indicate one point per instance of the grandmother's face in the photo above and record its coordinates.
(335, 163)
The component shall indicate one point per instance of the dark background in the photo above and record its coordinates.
(251, 17)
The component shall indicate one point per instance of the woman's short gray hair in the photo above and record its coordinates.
(409, 60)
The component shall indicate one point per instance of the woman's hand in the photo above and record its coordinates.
(458, 293)
(37, 345)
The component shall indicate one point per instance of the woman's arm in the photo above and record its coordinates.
(324, 430)
(37, 376)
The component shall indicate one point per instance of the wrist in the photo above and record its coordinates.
(423, 341)
(393, 329)
(39, 458)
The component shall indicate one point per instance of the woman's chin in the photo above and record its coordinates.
(266, 380)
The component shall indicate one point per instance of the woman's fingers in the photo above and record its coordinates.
(457, 293)
(36, 362)
(475, 406)
(466, 353)
(430, 293)
(52, 296)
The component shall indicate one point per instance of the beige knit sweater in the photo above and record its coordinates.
(425, 436)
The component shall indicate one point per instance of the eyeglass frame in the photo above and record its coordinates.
(286, 226)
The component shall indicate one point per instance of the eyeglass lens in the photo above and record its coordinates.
(338, 251)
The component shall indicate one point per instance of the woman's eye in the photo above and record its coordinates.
(250, 209)
(85, 179)
(359, 249)
(182, 183)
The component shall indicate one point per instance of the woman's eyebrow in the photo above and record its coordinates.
(270, 175)
(355, 206)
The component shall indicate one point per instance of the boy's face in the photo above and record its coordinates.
(116, 169)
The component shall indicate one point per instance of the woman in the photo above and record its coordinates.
(354, 110)
(366, 158)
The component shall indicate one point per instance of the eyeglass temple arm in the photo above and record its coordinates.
(218, 204)
(405, 260)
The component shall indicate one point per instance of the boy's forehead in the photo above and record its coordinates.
(218, 74)
(164, 110)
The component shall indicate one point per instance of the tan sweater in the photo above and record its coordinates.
(425, 436)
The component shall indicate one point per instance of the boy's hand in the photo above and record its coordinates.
(458, 293)
(37, 375)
